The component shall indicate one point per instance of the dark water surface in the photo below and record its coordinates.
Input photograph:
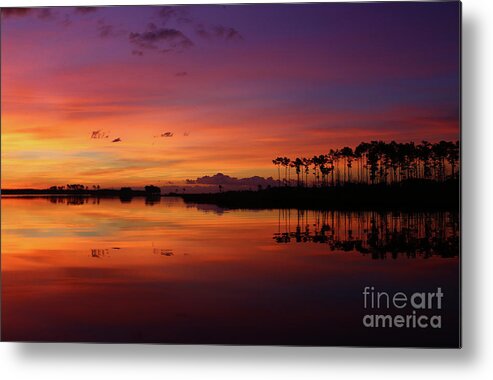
(81, 269)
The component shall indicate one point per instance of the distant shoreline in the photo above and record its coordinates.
(411, 195)
(92, 193)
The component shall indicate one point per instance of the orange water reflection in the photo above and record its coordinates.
(163, 271)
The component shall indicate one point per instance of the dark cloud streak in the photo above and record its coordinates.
(165, 39)
(218, 32)
(177, 13)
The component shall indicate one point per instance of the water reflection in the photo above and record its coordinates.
(163, 252)
(210, 275)
(378, 234)
(152, 200)
(73, 200)
(99, 253)
(78, 200)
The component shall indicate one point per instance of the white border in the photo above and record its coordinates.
(89, 361)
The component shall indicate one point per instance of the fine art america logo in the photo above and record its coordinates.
(415, 310)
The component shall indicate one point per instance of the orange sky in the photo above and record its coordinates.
(248, 86)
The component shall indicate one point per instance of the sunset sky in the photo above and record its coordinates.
(236, 86)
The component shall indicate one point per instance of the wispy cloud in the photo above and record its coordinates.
(163, 39)
(170, 30)
(179, 14)
(108, 30)
(218, 32)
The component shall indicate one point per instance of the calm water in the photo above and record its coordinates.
(76, 269)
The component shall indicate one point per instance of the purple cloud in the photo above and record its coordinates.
(107, 30)
(178, 13)
(222, 179)
(160, 38)
(219, 32)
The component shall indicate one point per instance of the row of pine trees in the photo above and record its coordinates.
(372, 163)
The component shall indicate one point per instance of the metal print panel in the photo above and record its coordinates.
(262, 174)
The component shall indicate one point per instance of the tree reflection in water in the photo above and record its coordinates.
(73, 200)
(375, 233)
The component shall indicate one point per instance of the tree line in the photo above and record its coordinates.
(79, 187)
(372, 163)
(75, 186)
